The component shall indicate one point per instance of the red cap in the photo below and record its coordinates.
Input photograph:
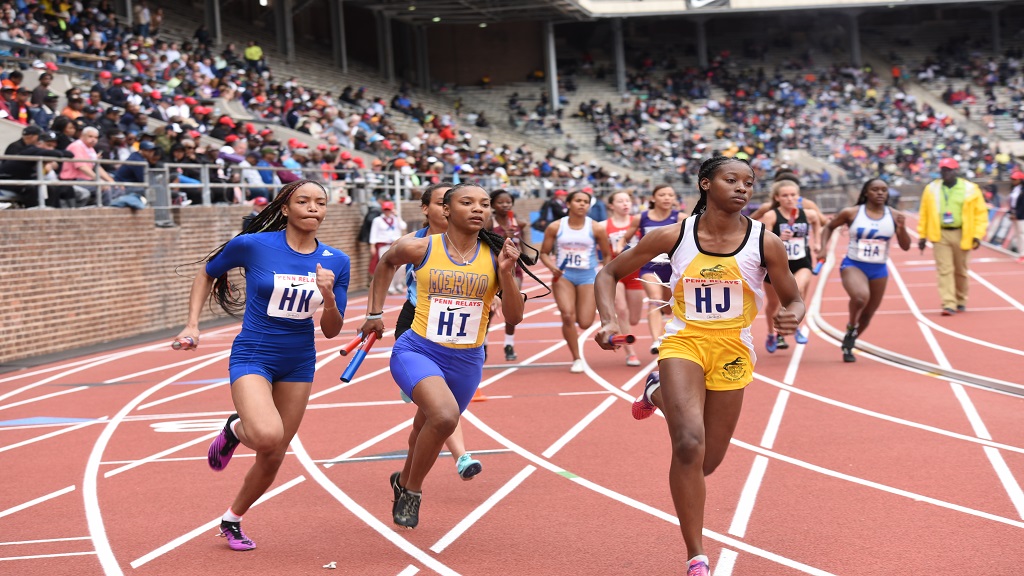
(178, 97)
(561, 192)
(105, 74)
(345, 155)
(387, 205)
(191, 101)
(195, 133)
(231, 138)
(1017, 175)
(950, 163)
(51, 66)
(260, 201)
(321, 146)
(117, 81)
(155, 95)
(136, 87)
(266, 132)
(227, 121)
(250, 128)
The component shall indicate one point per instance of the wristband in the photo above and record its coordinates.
(378, 316)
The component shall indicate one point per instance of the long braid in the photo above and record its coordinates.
(227, 295)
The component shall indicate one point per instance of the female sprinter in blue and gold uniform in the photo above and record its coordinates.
(439, 362)
(719, 259)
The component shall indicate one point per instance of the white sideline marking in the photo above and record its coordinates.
(35, 501)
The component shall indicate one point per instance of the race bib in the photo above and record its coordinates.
(713, 299)
(294, 296)
(796, 248)
(871, 250)
(574, 256)
(454, 320)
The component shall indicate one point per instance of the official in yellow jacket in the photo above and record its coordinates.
(954, 218)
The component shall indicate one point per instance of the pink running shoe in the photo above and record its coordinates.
(642, 407)
(699, 566)
(223, 446)
(237, 539)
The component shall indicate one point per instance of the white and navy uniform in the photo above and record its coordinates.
(281, 296)
(869, 243)
(576, 252)
(715, 298)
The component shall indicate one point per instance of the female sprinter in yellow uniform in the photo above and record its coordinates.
(439, 362)
(719, 259)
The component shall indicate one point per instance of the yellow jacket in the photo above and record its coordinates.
(974, 218)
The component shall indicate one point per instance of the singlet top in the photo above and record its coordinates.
(870, 238)
(576, 248)
(648, 225)
(796, 246)
(410, 272)
(716, 291)
(514, 231)
(457, 297)
(280, 284)
(616, 233)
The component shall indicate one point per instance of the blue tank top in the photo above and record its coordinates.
(280, 283)
(648, 225)
(410, 272)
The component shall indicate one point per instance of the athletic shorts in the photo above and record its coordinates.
(727, 356)
(662, 271)
(579, 276)
(873, 271)
(795, 265)
(278, 358)
(414, 358)
(632, 282)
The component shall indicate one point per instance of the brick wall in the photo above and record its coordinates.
(71, 278)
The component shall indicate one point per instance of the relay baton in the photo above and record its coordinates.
(186, 343)
(817, 266)
(351, 345)
(619, 339)
(793, 215)
(561, 270)
(357, 358)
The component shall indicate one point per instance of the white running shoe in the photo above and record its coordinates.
(577, 367)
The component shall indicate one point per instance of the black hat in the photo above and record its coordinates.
(32, 130)
(50, 97)
(90, 109)
(48, 136)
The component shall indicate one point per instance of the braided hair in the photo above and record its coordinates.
(708, 169)
(496, 241)
(228, 296)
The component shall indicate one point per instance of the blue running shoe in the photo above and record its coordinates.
(223, 446)
(800, 337)
(467, 467)
(772, 344)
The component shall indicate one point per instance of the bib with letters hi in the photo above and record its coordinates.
(716, 291)
(453, 300)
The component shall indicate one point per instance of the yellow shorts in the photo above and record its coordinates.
(727, 356)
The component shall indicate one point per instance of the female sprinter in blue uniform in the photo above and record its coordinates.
(575, 239)
(719, 258)
(289, 274)
(432, 205)
(655, 273)
(864, 273)
(439, 362)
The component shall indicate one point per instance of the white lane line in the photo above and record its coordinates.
(35, 501)
(886, 417)
(212, 524)
(93, 515)
(39, 556)
(372, 441)
(981, 280)
(161, 454)
(484, 507)
(878, 486)
(362, 514)
(409, 571)
(748, 496)
(44, 541)
(578, 427)
(726, 562)
(52, 434)
(182, 395)
(722, 538)
(43, 397)
(995, 458)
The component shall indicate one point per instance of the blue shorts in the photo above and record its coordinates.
(278, 358)
(662, 271)
(414, 358)
(872, 271)
(579, 276)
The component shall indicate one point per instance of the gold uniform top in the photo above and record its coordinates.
(453, 301)
(716, 291)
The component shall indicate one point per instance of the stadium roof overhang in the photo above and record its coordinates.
(476, 11)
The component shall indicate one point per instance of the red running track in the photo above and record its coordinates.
(835, 469)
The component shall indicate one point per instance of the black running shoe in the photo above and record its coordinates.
(510, 353)
(781, 343)
(223, 446)
(407, 509)
(395, 486)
